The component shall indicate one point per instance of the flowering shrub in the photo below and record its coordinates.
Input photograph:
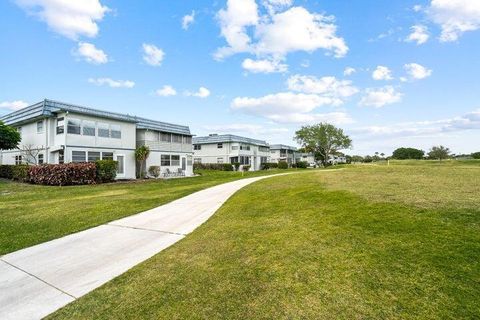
(63, 174)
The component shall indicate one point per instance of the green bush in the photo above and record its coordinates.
(227, 167)
(236, 165)
(246, 167)
(6, 171)
(476, 155)
(282, 165)
(213, 166)
(154, 171)
(302, 164)
(269, 165)
(106, 170)
(20, 173)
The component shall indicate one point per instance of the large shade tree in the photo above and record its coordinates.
(323, 140)
(439, 153)
(9, 137)
(408, 153)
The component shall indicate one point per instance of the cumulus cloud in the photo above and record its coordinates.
(417, 71)
(419, 34)
(90, 53)
(71, 19)
(187, 20)
(166, 91)
(152, 55)
(201, 93)
(382, 73)
(454, 17)
(379, 97)
(264, 66)
(329, 87)
(112, 83)
(13, 105)
(349, 71)
(277, 33)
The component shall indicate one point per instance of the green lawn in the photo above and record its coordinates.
(382, 242)
(32, 214)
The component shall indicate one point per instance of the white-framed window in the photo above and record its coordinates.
(245, 147)
(175, 160)
(197, 160)
(60, 125)
(189, 160)
(79, 156)
(40, 158)
(219, 160)
(116, 131)
(103, 130)
(219, 145)
(165, 137)
(197, 147)
(93, 156)
(88, 128)
(176, 138)
(120, 164)
(40, 126)
(107, 155)
(73, 126)
(165, 160)
(18, 160)
(187, 140)
(234, 147)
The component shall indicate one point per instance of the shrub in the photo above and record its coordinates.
(302, 164)
(64, 174)
(236, 165)
(246, 168)
(6, 171)
(227, 167)
(154, 171)
(106, 170)
(282, 165)
(213, 166)
(20, 173)
(269, 165)
(476, 155)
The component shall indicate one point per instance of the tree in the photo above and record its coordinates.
(439, 153)
(9, 137)
(323, 139)
(476, 155)
(382, 155)
(141, 154)
(408, 153)
(30, 153)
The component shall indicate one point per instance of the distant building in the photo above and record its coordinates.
(229, 148)
(281, 152)
(306, 157)
(337, 159)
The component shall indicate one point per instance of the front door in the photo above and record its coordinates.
(184, 164)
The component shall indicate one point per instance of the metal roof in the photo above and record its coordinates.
(282, 146)
(47, 108)
(215, 138)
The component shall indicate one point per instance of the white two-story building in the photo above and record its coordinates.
(232, 149)
(281, 152)
(62, 133)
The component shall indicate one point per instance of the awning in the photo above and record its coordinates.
(55, 148)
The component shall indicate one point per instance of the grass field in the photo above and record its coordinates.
(381, 242)
(33, 214)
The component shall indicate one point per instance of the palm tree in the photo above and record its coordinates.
(141, 154)
(382, 155)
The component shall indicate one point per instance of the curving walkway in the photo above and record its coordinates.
(36, 281)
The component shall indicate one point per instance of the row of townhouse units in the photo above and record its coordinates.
(62, 133)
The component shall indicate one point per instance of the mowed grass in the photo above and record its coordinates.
(31, 214)
(369, 242)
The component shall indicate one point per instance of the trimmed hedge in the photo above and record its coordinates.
(282, 165)
(302, 164)
(106, 170)
(213, 166)
(64, 174)
(269, 165)
(21, 172)
(6, 171)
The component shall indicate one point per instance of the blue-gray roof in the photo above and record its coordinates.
(214, 138)
(48, 108)
(282, 146)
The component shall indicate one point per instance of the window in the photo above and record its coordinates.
(165, 160)
(245, 147)
(93, 156)
(187, 140)
(79, 156)
(263, 160)
(219, 145)
(103, 130)
(219, 160)
(234, 147)
(197, 160)
(88, 128)
(189, 160)
(40, 158)
(197, 147)
(165, 137)
(73, 126)
(176, 138)
(241, 160)
(40, 126)
(121, 164)
(18, 160)
(175, 160)
(60, 125)
(107, 155)
(61, 157)
(263, 149)
(116, 131)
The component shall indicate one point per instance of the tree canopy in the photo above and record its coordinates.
(408, 153)
(476, 155)
(323, 140)
(439, 153)
(9, 137)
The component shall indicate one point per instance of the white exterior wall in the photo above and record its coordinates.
(277, 156)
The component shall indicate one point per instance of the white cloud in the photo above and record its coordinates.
(382, 73)
(166, 91)
(112, 83)
(278, 33)
(201, 93)
(380, 97)
(252, 129)
(276, 5)
(13, 105)
(455, 17)
(264, 66)
(90, 53)
(417, 71)
(152, 55)
(71, 19)
(417, 8)
(349, 71)
(187, 20)
(329, 87)
(419, 34)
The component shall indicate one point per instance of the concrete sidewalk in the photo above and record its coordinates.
(36, 281)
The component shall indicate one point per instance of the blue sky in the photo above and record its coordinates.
(391, 73)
